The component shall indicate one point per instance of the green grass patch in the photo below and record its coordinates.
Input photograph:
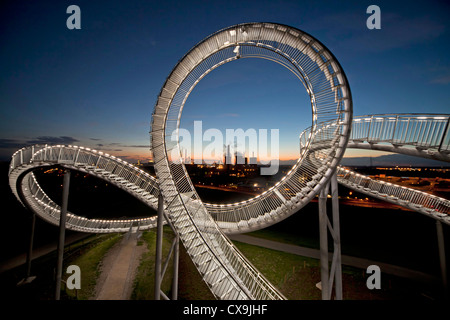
(144, 282)
(282, 268)
(284, 237)
(191, 286)
(296, 277)
(89, 265)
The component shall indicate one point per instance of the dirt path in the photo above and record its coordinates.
(118, 269)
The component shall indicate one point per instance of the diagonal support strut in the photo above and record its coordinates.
(333, 277)
(160, 270)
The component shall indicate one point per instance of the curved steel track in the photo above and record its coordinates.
(203, 227)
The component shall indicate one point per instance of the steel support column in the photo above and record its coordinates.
(330, 278)
(160, 270)
(336, 232)
(28, 278)
(443, 263)
(30, 247)
(323, 234)
(176, 256)
(62, 231)
(158, 258)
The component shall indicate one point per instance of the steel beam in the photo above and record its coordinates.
(28, 278)
(442, 260)
(62, 230)
(323, 234)
(160, 270)
(176, 257)
(336, 237)
(158, 258)
(30, 247)
(333, 278)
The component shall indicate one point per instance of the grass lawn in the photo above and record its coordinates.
(144, 283)
(89, 262)
(190, 284)
(284, 237)
(296, 277)
(282, 269)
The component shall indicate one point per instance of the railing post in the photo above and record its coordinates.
(425, 140)
(45, 153)
(406, 130)
(368, 130)
(444, 135)
(433, 141)
(394, 129)
(76, 157)
(380, 135)
(59, 154)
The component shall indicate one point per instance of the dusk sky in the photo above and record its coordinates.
(97, 86)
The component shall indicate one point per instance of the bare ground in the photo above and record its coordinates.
(118, 269)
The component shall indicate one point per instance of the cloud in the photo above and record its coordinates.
(135, 158)
(17, 144)
(444, 79)
(10, 144)
(401, 31)
(228, 115)
(139, 146)
(349, 31)
(121, 145)
(438, 73)
(53, 140)
(109, 146)
(108, 149)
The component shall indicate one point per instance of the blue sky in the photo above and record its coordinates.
(97, 86)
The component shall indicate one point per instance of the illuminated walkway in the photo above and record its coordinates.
(201, 227)
(419, 201)
(234, 218)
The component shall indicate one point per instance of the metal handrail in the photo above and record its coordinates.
(402, 133)
(142, 185)
(426, 203)
(419, 130)
(313, 63)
